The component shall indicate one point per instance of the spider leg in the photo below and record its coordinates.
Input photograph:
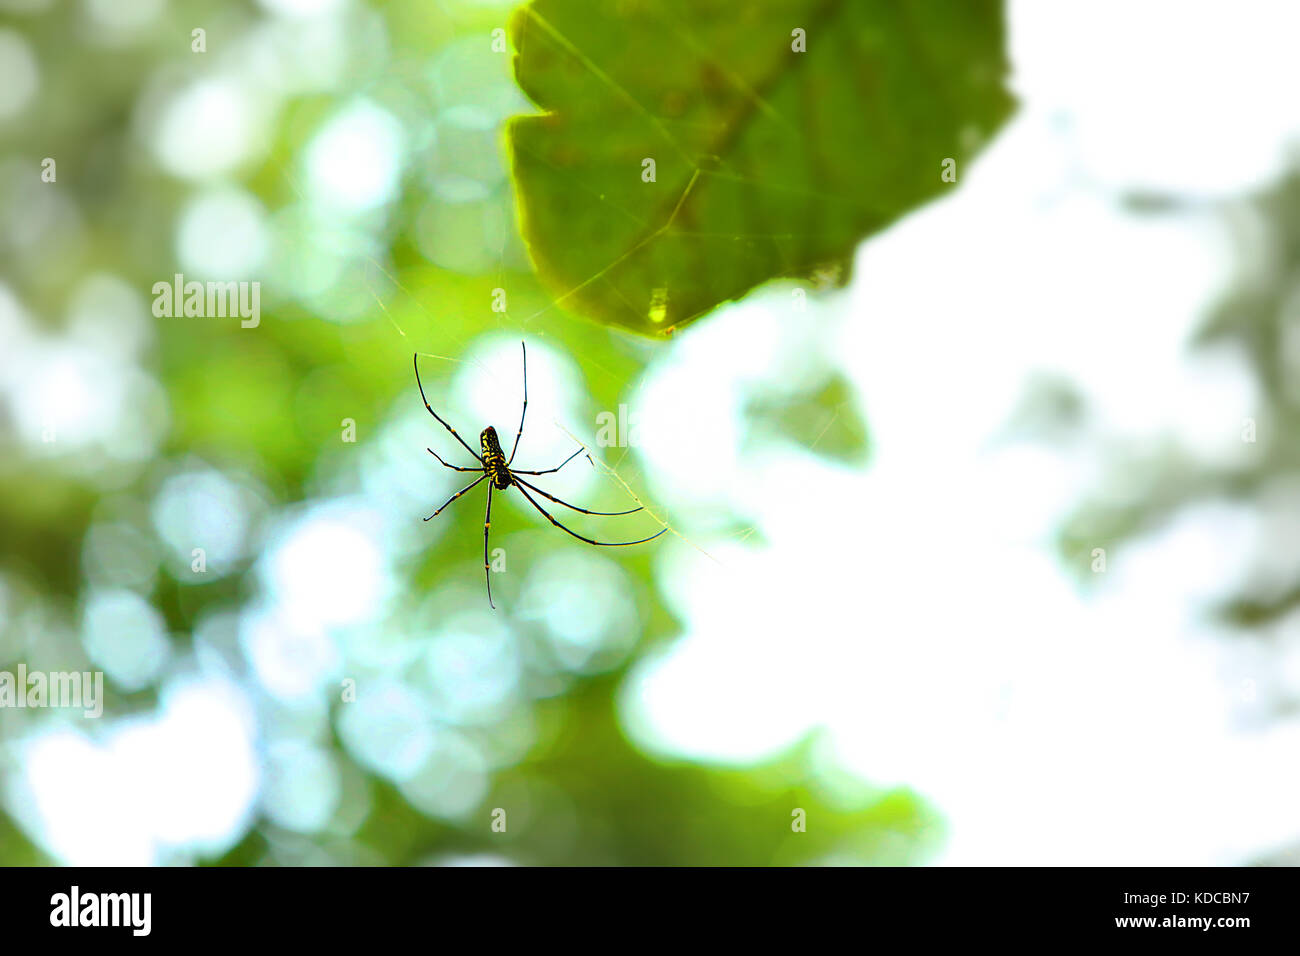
(551, 470)
(487, 523)
(452, 467)
(456, 495)
(603, 544)
(547, 494)
(522, 414)
(415, 361)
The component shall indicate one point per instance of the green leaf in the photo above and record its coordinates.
(767, 162)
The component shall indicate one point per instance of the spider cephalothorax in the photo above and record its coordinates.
(493, 464)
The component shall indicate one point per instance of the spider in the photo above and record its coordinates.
(495, 466)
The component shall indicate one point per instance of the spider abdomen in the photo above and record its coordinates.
(494, 461)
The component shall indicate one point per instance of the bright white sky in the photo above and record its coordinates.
(916, 610)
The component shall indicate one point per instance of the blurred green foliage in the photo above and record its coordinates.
(823, 418)
(1258, 321)
(267, 404)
